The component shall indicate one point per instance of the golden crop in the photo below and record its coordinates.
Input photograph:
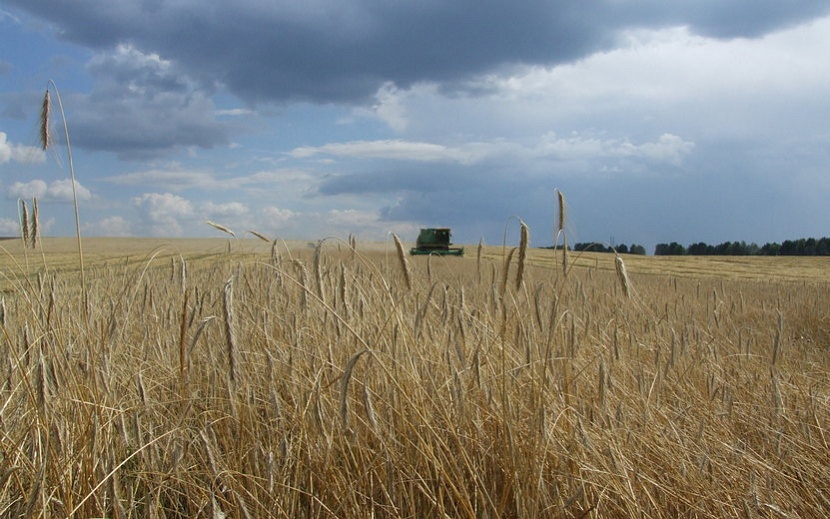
(213, 378)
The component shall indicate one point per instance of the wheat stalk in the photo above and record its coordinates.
(622, 275)
(221, 228)
(478, 258)
(45, 133)
(303, 283)
(182, 335)
(260, 236)
(524, 240)
(403, 261)
(46, 141)
(344, 388)
(318, 271)
(506, 269)
(230, 337)
(24, 223)
(560, 230)
(353, 244)
(35, 223)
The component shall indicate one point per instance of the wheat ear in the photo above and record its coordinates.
(403, 261)
(35, 223)
(524, 240)
(260, 236)
(24, 223)
(46, 141)
(622, 275)
(45, 133)
(221, 228)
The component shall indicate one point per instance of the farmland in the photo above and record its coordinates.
(239, 378)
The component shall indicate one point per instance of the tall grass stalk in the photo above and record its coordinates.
(230, 332)
(407, 274)
(560, 231)
(24, 223)
(524, 242)
(35, 234)
(45, 142)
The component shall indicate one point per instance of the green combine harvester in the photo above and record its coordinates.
(435, 241)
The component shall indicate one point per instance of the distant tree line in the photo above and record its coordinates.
(801, 247)
(598, 247)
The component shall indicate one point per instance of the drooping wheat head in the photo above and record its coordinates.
(260, 236)
(221, 228)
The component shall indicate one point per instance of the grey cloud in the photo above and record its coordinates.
(333, 51)
(142, 106)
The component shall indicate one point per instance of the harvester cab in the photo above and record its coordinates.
(436, 241)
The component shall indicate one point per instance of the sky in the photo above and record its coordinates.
(658, 120)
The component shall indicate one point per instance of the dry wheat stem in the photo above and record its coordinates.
(230, 337)
(45, 142)
(344, 388)
(506, 270)
(318, 270)
(182, 336)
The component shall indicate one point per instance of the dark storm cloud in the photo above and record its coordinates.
(330, 50)
(453, 195)
(143, 107)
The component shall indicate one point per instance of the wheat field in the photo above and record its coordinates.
(236, 378)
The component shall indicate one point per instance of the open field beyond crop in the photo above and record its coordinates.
(238, 378)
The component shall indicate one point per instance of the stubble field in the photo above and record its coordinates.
(216, 378)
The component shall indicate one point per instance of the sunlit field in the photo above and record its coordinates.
(240, 378)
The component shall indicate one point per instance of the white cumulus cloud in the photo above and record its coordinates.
(56, 191)
(388, 149)
(226, 209)
(18, 153)
(163, 214)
